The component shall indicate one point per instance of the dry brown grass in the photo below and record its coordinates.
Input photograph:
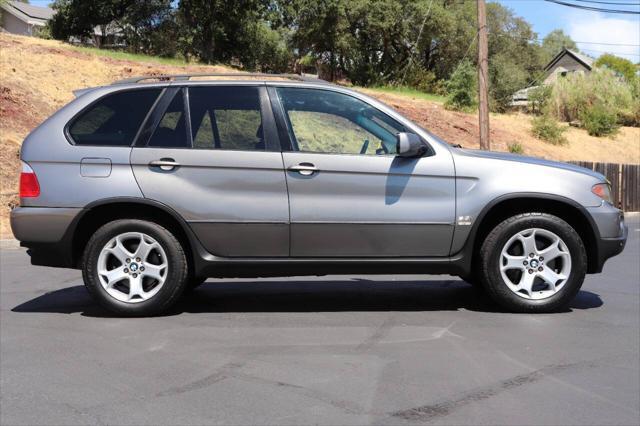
(38, 76)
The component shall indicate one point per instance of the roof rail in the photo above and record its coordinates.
(238, 75)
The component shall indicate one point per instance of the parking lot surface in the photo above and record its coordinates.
(328, 350)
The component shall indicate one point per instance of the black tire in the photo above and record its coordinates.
(194, 282)
(490, 258)
(176, 272)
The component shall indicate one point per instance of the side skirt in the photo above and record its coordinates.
(279, 267)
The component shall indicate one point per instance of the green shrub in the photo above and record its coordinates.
(631, 117)
(574, 95)
(548, 129)
(462, 88)
(418, 78)
(539, 98)
(599, 120)
(515, 148)
(43, 32)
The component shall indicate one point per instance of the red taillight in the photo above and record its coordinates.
(29, 186)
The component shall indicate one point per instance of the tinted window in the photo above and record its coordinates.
(171, 131)
(226, 118)
(331, 122)
(114, 120)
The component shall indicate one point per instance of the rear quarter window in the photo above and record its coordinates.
(113, 120)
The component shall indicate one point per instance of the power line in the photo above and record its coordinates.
(608, 51)
(537, 40)
(606, 44)
(424, 21)
(609, 3)
(469, 47)
(593, 9)
(613, 52)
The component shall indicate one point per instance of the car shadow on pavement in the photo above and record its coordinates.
(303, 296)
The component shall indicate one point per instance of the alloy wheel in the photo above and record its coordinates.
(535, 263)
(132, 267)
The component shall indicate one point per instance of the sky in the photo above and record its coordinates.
(584, 26)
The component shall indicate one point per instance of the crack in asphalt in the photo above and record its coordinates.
(431, 412)
(379, 333)
(231, 371)
(219, 375)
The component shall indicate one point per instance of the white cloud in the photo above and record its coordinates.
(597, 28)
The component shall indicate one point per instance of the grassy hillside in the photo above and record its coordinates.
(507, 129)
(38, 76)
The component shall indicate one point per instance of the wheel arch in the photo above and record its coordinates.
(98, 213)
(566, 209)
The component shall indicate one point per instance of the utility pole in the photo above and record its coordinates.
(483, 72)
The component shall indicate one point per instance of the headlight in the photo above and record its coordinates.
(603, 190)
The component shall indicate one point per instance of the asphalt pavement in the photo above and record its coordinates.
(330, 350)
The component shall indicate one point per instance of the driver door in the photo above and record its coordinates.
(349, 194)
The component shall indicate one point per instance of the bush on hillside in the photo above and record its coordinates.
(548, 129)
(599, 120)
(631, 117)
(418, 78)
(462, 88)
(539, 99)
(575, 95)
(516, 148)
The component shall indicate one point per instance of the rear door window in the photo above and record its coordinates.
(172, 131)
(227, 118)
(113, 120)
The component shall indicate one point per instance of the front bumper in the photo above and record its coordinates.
(611, 236)
(46, 232)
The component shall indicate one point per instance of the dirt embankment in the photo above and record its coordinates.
(38, 76)
(507, 129)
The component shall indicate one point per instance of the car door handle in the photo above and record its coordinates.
(166, 164)
(305, 169)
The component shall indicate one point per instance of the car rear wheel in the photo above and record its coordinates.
(134, 267)
(533, 262)
(193, 283)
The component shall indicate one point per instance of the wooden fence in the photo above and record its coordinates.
(625, 182)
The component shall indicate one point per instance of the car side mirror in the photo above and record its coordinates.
(410, 145)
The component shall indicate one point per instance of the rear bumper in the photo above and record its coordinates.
(45, 231)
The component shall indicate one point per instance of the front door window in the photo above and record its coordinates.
(324, 121)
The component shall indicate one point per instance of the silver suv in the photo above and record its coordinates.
(152, 185)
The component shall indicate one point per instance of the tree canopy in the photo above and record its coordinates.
(369, 42)
(555, 41)
(621, 66)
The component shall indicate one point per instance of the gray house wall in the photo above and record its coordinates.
(566, 64)
(14, 25)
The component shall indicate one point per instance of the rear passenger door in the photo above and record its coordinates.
(212, 154)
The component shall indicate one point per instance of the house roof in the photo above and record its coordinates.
(586, 61)
(29, 13)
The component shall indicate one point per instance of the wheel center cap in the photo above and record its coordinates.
(133, 267)
(534, 263)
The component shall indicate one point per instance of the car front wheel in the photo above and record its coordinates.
(134, 267)
(533, 262)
